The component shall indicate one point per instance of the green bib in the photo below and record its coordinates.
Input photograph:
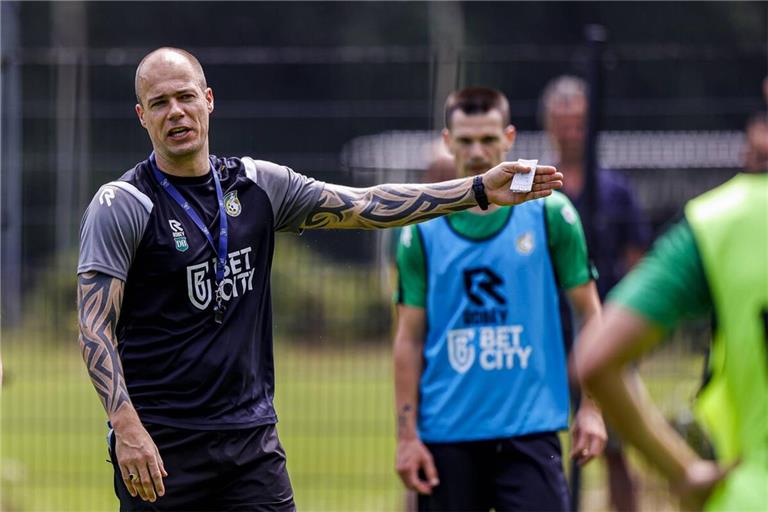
(730, 224)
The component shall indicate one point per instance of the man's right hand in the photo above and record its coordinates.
(140, 463)
(413, 456)
(498, 179)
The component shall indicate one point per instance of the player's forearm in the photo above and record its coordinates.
(585, 303)
(99, 299)
(391, 205)
(408, 368)
(602, 355)
(630, 411)
(588, 403)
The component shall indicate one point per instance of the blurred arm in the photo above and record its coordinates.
(391, 205)
(602, 354)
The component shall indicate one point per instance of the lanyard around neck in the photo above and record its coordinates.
(221, 248)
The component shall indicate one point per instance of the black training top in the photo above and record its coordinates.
(182, 369)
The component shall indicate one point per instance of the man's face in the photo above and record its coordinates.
(174, 108)
(566, 124)
(478, 141)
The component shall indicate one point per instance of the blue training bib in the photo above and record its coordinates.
(495, 362)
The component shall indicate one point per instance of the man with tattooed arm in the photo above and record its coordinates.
(174, 295)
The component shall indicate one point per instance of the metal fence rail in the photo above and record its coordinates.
(339, 111)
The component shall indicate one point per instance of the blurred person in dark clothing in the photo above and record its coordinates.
(174, 295)
(621, 231)
(621, 228)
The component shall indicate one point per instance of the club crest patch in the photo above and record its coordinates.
(232, 204)
(179, 238)
(461, 351)
(525, 243)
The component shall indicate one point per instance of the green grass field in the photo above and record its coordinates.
(336, 422)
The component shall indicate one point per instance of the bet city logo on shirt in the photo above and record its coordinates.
(496, 346)
(238, 278)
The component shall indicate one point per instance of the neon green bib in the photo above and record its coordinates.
(730, 224)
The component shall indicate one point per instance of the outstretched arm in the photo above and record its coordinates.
(99, 298)
(391, 205)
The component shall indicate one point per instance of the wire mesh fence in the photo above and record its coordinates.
(72, 108)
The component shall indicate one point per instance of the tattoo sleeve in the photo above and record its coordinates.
(99, 298)
(386, 206)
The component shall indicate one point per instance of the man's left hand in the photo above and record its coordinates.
(588, 435)
(497, 181)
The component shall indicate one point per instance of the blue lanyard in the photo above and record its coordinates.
(221, 250)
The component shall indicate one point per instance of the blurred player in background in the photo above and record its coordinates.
(621, 230)
(174, 295)
(480, 378)
(441, 166)
(756, 148)
(712, 263)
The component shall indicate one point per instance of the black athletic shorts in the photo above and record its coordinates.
(215, 471)
(520, 473)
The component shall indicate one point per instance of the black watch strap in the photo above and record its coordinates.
(479, 189)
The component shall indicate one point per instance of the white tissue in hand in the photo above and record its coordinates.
(524, 182)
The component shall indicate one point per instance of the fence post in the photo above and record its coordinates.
(446, 38)
(11, 167)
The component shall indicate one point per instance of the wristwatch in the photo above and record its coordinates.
(479, 190)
